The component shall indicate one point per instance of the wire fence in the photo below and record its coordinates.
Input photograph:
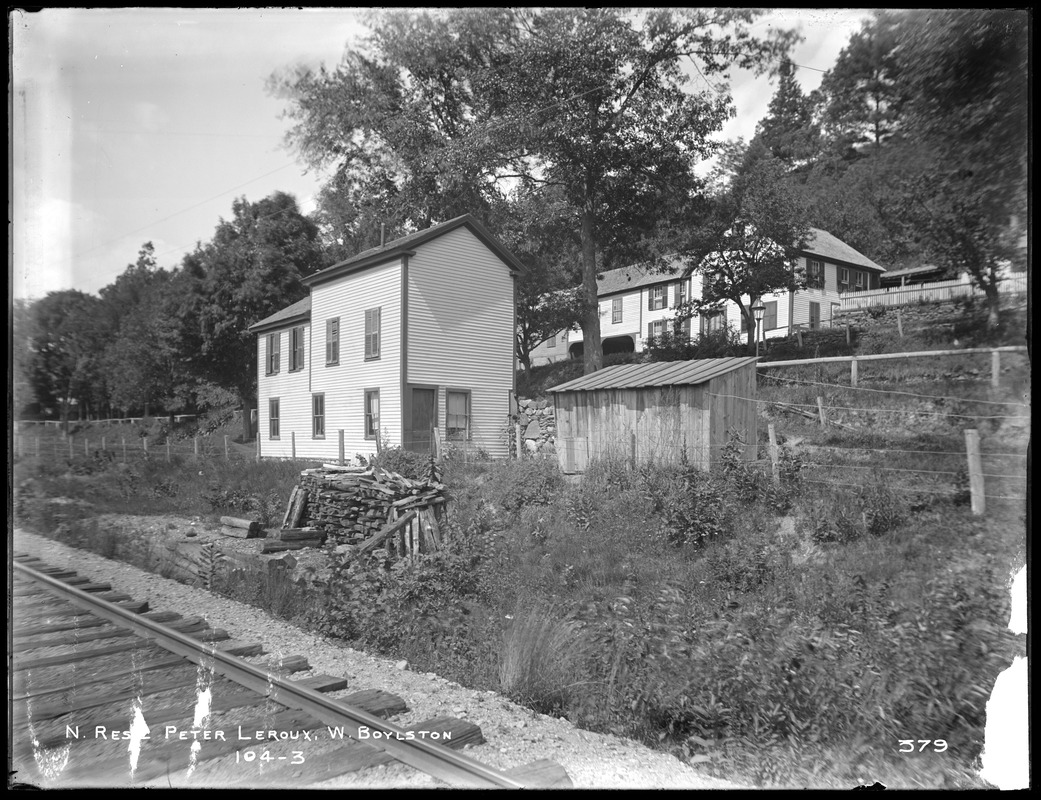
(124, 449)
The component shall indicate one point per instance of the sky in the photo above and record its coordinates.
(143, 125)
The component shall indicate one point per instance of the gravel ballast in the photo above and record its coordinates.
(514, 735)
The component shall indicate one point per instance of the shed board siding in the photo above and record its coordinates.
(291, 388)
(344, 384)
(460, 308)
(657, 423)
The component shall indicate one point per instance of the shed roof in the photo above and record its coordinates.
(300, 310)
(664, 373)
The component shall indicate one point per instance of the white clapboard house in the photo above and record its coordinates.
(637, 303)
(397, 346)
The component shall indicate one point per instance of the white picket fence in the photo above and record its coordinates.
(938, 291)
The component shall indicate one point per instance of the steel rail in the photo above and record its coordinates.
(429, 757)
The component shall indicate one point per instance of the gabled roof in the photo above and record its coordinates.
(628, 278)
(300, 311)
(665, 373)
(823, 244)
(924, 269)
(406, 246)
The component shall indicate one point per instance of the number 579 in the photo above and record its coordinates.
(908, 745)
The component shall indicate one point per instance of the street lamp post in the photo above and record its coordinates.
(757, 311)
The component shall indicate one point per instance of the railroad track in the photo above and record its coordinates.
(105, 692)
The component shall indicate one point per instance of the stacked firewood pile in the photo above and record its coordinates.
(355, 505)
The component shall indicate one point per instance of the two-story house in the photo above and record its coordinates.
(637, 304)
(398, 341)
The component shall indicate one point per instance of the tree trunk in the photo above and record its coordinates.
(990, 291)
(592, 356)
(247, 407)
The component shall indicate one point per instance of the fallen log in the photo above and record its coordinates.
(298, 534)
(241, 533)
(235, 522)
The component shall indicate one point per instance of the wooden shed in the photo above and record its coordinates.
(645, 412)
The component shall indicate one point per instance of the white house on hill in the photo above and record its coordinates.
(636, 304)
(398, 341)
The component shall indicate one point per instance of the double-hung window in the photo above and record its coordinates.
(859, 277)
(656, 298)
(274, 417)
(814, 274)
(681, 293)
(655, 329)
(372, 413)
(457, 423)
(616, 310)
(372, 333)
(296, 349)
(770, 317)
(274, 344)
(712, 321)
(332, 341)
(318, 416)
(843, 279)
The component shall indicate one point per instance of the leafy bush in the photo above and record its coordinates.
(415, 466)
(717, 344)
(515, 483)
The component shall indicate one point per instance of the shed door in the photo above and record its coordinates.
(423, 419)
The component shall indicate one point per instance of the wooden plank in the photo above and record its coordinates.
(289, 507)
(387, 530)
(299, 509)
(297, 534)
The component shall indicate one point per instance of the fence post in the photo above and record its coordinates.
(820, 410)
(849, 334)
(70, 446)
(124, 451)
(899, 324)
(227, 457)
(517, 432)
(168, 449)
(437, 444)
(853, 372)
(632, 448)
(341, 446)
(773, 455)
(195, 447)
(144, 444)
(972, 451)
(292, 438)
(258, 446)
(798, 335)
(995, 368)
(102, 444)
(86, 447)
(37, 446)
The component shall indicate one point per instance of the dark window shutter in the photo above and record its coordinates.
(650, 299)
(650, 330)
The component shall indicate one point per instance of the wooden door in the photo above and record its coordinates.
(422, 420)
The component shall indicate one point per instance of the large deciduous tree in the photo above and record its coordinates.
(251, 268)
(749, 244)
(445, 112)
(611, 120)
(965, 75)
(68, 338)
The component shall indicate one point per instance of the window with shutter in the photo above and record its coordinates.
(616, 310)
(296, 349)
(657, 298)
(332, 342)
(372, 333)
(274, 344)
